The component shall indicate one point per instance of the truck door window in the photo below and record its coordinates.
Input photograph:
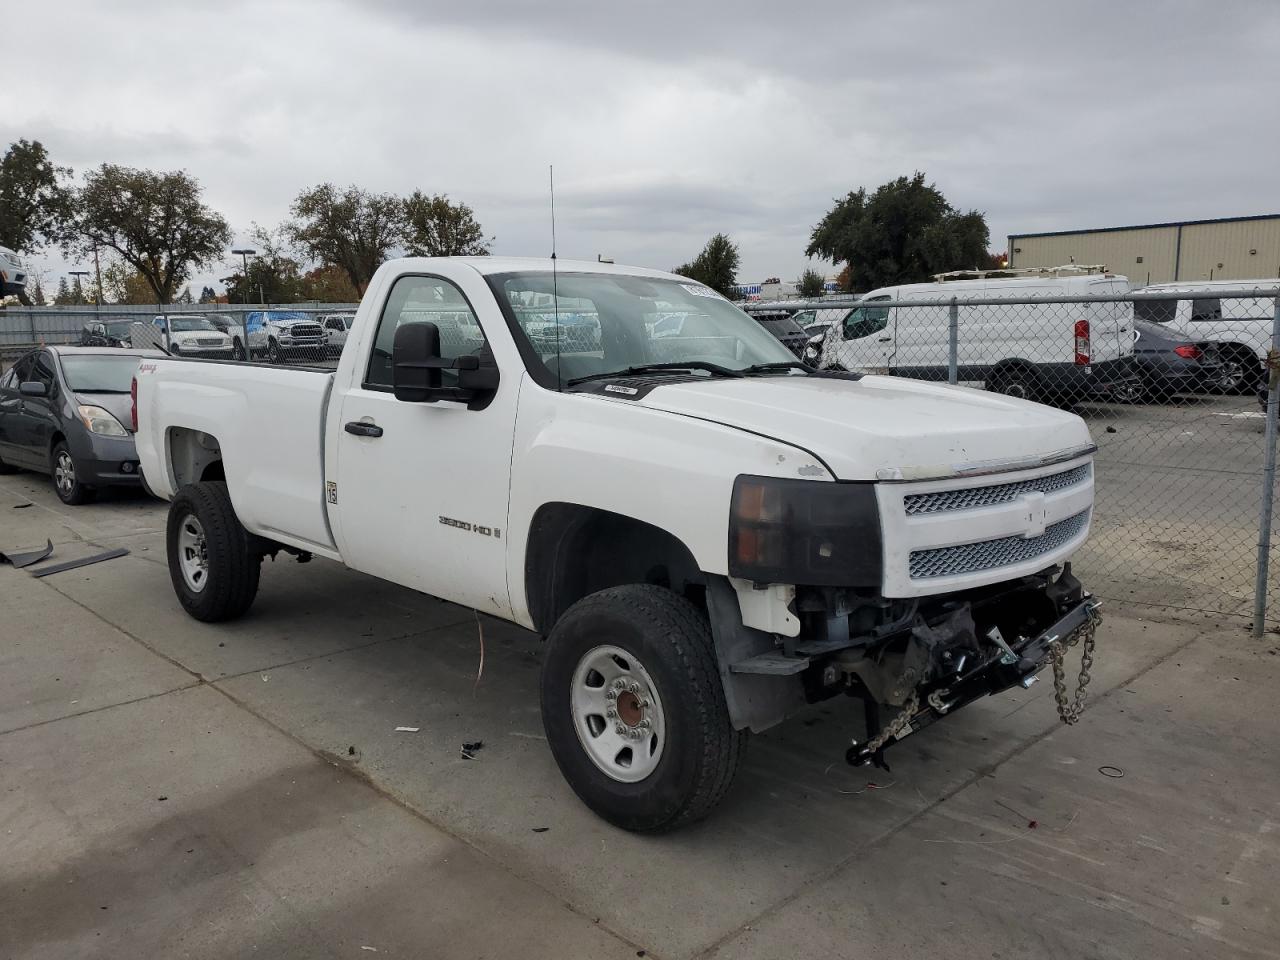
(426, 300)
(1206, 309)
(1155, 311)
(862, 322)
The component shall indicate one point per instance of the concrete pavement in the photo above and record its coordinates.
(298, 822)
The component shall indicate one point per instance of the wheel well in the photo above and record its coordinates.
(1005, 366)
(56, 439)
(194, 455)
(574, 551)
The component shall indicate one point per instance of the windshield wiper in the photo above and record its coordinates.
(777, 365)
(714, 368)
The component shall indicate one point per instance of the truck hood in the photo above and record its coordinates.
(183, 336)
(880, 427)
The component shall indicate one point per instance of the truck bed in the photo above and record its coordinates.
(268, 423)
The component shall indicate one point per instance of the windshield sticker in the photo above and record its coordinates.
(700, 291)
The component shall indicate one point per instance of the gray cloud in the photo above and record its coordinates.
(668, 122)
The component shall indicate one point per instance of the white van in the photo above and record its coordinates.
(1044, 351)
(1240, 326)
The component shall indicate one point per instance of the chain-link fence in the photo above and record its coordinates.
(1169, 381)
(1172, 385)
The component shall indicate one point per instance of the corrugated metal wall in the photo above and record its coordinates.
(1225, 250)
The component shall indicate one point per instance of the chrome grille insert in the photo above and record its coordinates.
(971, 497)
(987, 554)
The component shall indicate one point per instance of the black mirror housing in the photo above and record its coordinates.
(417, 367)
(33, 388)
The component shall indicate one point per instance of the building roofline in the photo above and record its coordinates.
(1144, 226)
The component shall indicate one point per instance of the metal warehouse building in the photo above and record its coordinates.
(1235, 248)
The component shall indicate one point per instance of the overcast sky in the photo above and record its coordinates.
(666, 122)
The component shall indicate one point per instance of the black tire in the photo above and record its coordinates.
(1018, 382)
(231, 568)
(65, 475)
(1241, 371)
(671, 640)
(238, 351)
(274, 353)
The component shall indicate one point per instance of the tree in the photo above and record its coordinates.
(155, 221)
(434, 227)
(716, 266)
(122, 283)
(185, 295)
(274, 276)
(903, 233)
(63, 296)
(35, 204)
(77, 293)
(208, 295)
(37, 294)
(352, 229)
(811, 284)
(328, 284)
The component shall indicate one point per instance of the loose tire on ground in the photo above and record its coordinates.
(213, 568)
(65, 476)
(664, 640)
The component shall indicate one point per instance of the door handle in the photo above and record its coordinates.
(884, 339)
(363, 428)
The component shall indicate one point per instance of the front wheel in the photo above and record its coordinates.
(274, 354)
(211, 564)
(66, 482)
(634, 710)
(238, 351)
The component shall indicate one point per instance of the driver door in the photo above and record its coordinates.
(864, 339)
(421, 489)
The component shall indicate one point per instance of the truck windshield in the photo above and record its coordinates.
(190, 324)
(583, 325)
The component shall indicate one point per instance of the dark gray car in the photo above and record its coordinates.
(67, 412)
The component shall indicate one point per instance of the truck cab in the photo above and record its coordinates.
(708, 533)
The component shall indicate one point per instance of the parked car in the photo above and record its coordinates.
(107, 333)
(818, 322)
(1036, 351)
(13, 273)
(335, 327)
(193, 336)
(66, 411)
(1168, 364)
(708, 533)
(280, 335)
(784, 328)
(1239, 327)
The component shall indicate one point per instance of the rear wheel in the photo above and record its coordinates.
(634, 710)
(1016, 382)
(211, 563)
(1240, 371)
(66, 482)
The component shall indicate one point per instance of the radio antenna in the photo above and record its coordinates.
(555, 286)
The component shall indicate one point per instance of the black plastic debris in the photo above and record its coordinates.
(27, 558)
(469, 750)
(82, 562)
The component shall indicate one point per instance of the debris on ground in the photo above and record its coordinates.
(541, 829)
(21, 506)
(27, 557)
(470, 749)
(1107, 770)
(407, 729)
(82, 562)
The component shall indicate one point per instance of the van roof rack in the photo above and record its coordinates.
(1022, 273)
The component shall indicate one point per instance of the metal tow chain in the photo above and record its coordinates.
(896, 725)
(1070, 711)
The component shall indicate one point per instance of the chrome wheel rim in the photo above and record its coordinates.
(64, 473)
(193, 553)
(617, 714)
(1231, 377)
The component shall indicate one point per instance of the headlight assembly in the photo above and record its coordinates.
(99, 421)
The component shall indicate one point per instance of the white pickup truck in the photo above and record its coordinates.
(707, 533)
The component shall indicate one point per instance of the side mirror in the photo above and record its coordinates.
(416, 370)
(33, 388)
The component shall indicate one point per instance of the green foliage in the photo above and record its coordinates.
(328, 284)
(37, 294)
(208, 295)
(905, 232)
(811, 283)
(274, 276)
(156, 222)
(716, 266)
(435, 227)
(352, 229)
(35, 204)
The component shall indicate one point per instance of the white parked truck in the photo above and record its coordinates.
(708, 533)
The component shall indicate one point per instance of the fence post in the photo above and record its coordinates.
(953, 347)
(1268, 480)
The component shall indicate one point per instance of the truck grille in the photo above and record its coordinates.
(987, 554)
(209, 341)
(306, 331)
(971, 497)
